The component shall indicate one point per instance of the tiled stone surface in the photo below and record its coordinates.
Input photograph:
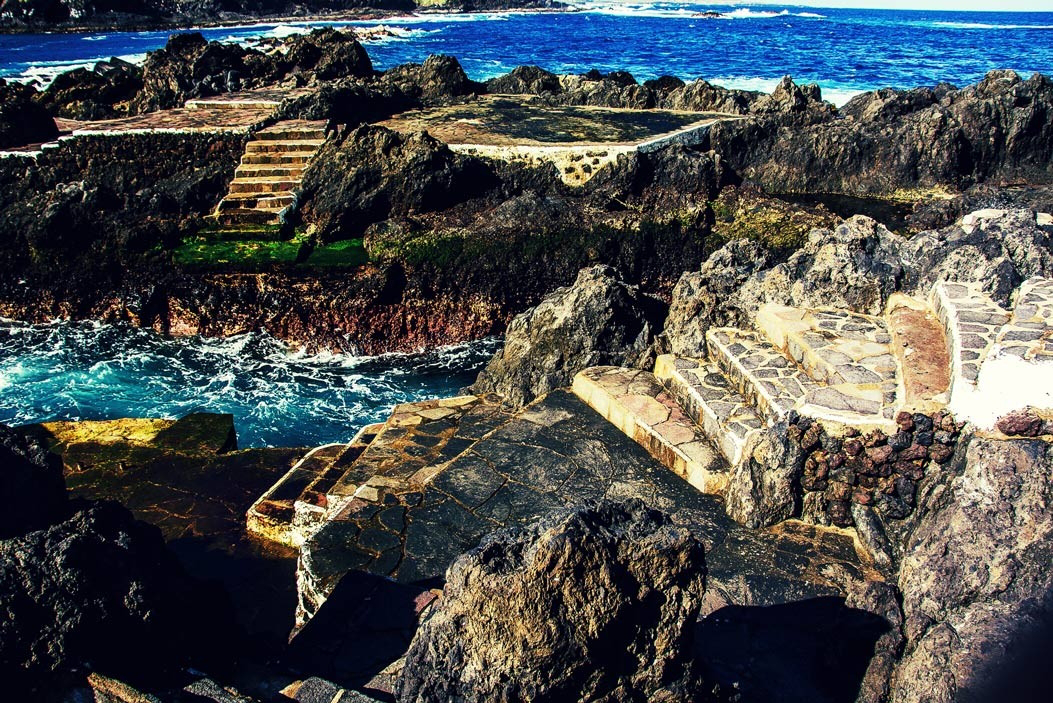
(920, 345)
(848, 353)
(764, 376)
(1029, 334)
(709, 400)
(971, 321)
(178, 120)
(556, 453)
(636, 403)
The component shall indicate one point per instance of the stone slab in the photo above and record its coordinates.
(708, 398)
(635, 402)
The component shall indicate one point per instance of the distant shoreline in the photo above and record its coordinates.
(248, 21)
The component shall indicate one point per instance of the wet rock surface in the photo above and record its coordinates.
(597, 321)
(616, 621)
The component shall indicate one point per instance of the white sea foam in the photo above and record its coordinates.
(832, 92)
(43, 73)
(984, 25)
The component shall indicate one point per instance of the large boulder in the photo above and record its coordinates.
(99, 93)
(597, 321)
(997, 249)
(99, 588)
(22, 120)
(374, 174)
(440, 79)
(597, 603)
(31, 482)
(977, 590)
(525, 80)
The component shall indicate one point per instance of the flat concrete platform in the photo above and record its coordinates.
(579, 140)
(514, 120)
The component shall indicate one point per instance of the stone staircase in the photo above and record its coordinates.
(385, 459)
(266, 183)
(855, 376)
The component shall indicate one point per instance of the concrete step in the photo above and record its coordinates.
(220, 104)
(291, 134)
(776, 385)
(707, 397)
(301, 146)
(266, 184)
(971, 321)
(287, 158)
(240, 217)
(920, 347)
(637, 404)
(257, 201)
(290, 172)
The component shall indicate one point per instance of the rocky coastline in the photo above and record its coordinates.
(772, 420)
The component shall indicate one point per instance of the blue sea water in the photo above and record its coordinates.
(88, 371)
(845, 51)
(279, 397)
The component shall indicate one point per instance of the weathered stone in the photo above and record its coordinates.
(597, 321)
(1022, 423)
(31, 481)
(612, 589)
(975, 577)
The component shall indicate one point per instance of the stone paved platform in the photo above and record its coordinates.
(555, 453)
(578, 140)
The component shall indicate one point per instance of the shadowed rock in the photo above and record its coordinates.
(597, 321)
(31, 481)
(596, 603)
(22, 120)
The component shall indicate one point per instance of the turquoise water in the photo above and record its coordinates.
(845, 51)
(86, 371)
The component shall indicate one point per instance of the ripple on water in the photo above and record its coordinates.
(87, 371)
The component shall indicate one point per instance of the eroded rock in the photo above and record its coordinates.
(597, 321)
(31, 481)
(594, 603)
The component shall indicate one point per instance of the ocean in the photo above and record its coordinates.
(282, 397)
(845, 51)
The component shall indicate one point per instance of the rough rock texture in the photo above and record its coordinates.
(99, 587)
(374, 174)
(855, 266)
(999, 249)
(22, 121)
(975, 578)
(31, 482)
(437, 80)
(996, 130)
(597, 321)
(766, 489)
(598, 603)
(191, 67)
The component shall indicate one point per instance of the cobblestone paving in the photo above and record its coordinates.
(764, 376)
(972, 322)
(553, 454)
(178, 120)
(1029, 335)
(709, 400)
(636, 403)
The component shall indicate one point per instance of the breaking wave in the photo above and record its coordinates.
(91, 371)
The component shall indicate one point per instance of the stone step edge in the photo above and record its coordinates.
(734, 451)
(943, 305)
(258, 522)
(426, 474)
(600, 400)
(769, 408)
